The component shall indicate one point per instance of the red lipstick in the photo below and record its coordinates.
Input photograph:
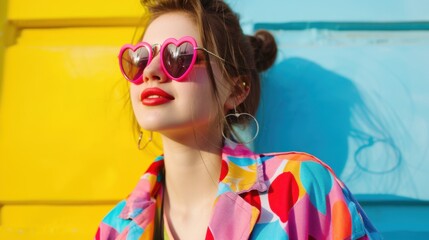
(155, 97)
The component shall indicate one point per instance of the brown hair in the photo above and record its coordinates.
(245, 56)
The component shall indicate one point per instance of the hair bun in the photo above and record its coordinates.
(264, 49)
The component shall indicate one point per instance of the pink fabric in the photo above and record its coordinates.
(232, 218)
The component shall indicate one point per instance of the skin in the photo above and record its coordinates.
(190, 131)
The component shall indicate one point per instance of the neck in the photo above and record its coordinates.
(192, 170)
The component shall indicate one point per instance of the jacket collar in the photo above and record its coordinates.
(242, 171)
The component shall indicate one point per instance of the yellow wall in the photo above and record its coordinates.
(67, 149)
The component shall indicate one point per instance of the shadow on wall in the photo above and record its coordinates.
(307, 108)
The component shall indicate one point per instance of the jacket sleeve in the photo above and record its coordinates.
(326, 209)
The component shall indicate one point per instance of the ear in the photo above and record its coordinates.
(238, 94)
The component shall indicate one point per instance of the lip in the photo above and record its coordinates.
(161, 97)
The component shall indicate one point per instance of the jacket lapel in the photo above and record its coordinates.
(233, 218)
(142, 203)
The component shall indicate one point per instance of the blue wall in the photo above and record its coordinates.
(350, 86)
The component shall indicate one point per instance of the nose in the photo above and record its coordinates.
(154, 72)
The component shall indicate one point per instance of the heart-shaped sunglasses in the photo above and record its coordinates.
(177, 58)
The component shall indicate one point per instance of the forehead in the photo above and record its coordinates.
(171, 25)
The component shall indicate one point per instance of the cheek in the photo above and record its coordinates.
(201, 88)
(134, 96)
(223, 85)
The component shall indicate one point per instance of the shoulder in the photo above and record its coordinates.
(299, 177)
(297, 157)
(303, 167)
(305, 177)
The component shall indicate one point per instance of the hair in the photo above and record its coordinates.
(220, 31)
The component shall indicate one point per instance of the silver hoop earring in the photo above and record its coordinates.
(140, 140)
(240, 119)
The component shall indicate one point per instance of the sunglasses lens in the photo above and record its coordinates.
(134, 62)
(178, 59)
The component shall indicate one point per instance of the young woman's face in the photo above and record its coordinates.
(165, 105)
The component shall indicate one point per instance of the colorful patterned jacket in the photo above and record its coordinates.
(260, 196)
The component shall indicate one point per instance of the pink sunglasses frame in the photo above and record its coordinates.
(150, 49)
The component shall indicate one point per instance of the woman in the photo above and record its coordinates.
(193, 68)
